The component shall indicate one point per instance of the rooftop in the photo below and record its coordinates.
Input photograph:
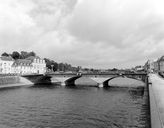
(32, 58)
(161, 58)
(6, 58)
(22, 62)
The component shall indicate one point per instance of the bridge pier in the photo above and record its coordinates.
(63, 84)
(38, 79)
(100, 85)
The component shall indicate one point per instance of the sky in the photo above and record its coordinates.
(87, 33)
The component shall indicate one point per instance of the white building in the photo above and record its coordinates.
(22, 66)
(152, 66)
(29, 65)
(6, 64)
(38, 65)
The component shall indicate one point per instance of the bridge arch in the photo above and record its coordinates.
(38, 79)
(139, 78)
(105, 83)
(71, 81)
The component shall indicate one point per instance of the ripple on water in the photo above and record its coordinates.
(80, 107)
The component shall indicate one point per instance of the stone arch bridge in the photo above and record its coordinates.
(69, 79)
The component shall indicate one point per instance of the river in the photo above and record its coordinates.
(73, 107)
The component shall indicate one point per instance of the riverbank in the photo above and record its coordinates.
(156, 96)
(9, 80)
(13, 81)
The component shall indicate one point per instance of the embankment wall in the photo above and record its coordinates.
(9, 80)
(156, 91)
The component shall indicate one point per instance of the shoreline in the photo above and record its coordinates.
(14, 85)
(8, 81)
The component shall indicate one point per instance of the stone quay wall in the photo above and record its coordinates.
(156, 97)
(4, 80)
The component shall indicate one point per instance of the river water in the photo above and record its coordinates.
(73, 107)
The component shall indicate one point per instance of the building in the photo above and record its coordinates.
(22, 66)
(161, 64)
(155, 65)
(150, 66)
(6, 64)
(38, 64)
(29, 65)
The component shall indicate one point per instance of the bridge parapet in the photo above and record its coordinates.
(98, 75)
(61, 74)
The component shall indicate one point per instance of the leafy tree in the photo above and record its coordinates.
(58, 66)
(16, 55)
(31, 54)
(24, 54)
(51, 64)
(55, 66)
(5, 54)
(61, 67)
(48, 63)
(114, 69)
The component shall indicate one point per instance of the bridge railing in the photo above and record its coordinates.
(96, 73)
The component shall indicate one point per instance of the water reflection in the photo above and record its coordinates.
(139, 91)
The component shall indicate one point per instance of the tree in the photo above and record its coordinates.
(15, 55)
(114, 69)
(24, 54)
(61, 67)
(31, 54)
(55, 66)
(5, 54)
(48, 63)
(51, 64)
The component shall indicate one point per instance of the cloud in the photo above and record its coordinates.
(49, 14)
(115, 21)
(91, 33)
(25, 22)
